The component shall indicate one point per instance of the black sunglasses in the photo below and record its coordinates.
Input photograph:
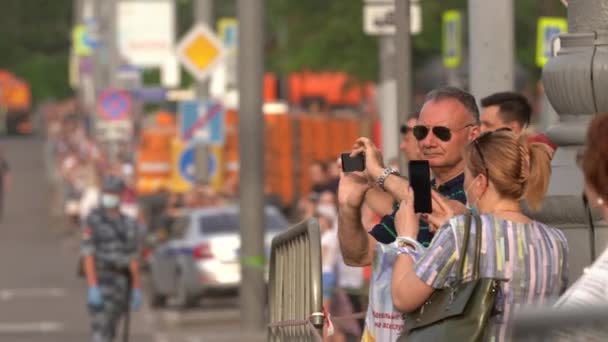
(441, 132)
(405, 129)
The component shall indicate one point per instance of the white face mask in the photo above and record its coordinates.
(110, 200)
(328, 210)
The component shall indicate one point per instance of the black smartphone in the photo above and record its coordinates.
(420, 181)
(350, 164)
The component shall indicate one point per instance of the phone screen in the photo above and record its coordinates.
(420, 181)
(350, 164)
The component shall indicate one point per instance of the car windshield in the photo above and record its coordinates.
(222, 223)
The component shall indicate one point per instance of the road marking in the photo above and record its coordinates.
(193, 339)
(8, 294)
(31, 327)
(158, 337)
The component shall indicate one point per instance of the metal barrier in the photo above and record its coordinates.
(551, 324)
(295, 289)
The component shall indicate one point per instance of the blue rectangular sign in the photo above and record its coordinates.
(201, 122)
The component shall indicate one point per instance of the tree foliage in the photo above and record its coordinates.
(320, 35)
(328, 34)
(35, 43)
(316, 35)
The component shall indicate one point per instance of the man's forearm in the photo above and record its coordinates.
(380, 202)
(89, 270)
(135, 277)
(397, 187)
(354, 240)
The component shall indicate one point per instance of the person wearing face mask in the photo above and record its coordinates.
(109, 250)
(530, 258)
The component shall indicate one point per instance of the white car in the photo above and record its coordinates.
(202, 255)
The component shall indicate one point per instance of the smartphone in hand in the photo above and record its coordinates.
(420, 181)
(351, 164)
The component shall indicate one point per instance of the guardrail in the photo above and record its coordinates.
(295, 289)
(564, 324)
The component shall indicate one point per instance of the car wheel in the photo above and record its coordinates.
(183, 300)
(156, 300)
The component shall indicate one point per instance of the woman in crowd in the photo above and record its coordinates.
(500, 170)
(590, 289)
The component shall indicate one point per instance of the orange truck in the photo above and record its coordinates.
(15, 104)
(153, 166)
(293, 142)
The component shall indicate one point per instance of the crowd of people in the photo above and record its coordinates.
(343, 286)
(77, 164)
(486, 166)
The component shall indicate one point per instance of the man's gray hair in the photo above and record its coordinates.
(466, 99)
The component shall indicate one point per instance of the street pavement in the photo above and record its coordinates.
(41, 299)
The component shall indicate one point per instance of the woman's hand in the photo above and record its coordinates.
(443, 210)
(406, 220)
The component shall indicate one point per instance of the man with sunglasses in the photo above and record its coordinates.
(447, 122)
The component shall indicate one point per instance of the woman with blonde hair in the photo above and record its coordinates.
(528, 257)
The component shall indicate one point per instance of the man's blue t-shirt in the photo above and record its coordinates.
(385, 232)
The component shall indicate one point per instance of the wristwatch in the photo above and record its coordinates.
(387, 172)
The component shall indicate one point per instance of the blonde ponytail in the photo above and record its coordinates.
(539, 177)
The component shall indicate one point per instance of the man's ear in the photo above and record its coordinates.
(474, 132)
(515, 127)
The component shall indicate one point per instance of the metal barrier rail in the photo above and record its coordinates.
(550, 324)
(295, 289)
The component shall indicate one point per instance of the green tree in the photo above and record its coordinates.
(35, 43)
(328, 35)
(320, 35)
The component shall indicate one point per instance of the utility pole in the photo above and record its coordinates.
(203, 14)
(113, 55)
(403, 61)
(251, 150)
(78, 19)
(388, 98)
(491, 45)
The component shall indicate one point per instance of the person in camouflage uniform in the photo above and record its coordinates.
(109, 251)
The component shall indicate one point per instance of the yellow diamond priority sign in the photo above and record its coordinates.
(200, 52)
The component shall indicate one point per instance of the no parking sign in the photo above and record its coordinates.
(114, 104)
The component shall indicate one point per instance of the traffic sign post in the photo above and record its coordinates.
(81, 43)
(184, 166)
(114, 105)
(200, 52)
(202, 122)
(113, 122)
(228, 31)
(379, 17)
(452, 39)
(548, 30)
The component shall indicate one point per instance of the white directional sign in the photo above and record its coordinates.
(379, 17)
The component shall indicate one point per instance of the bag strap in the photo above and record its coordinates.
(478, 232)
(463, 248)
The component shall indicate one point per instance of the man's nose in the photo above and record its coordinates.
(428, 141)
